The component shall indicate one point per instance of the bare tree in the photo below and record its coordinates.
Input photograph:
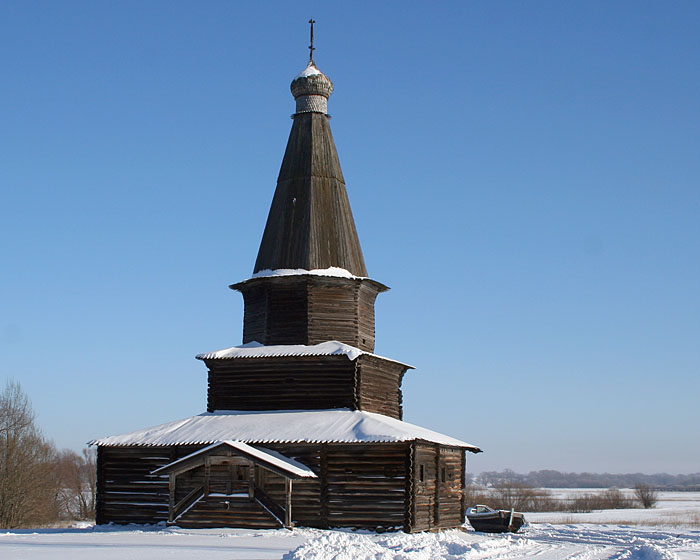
(78, 478)
(522, 497)
(646, 495)
(29, 487)
(88, 472)
(475, 494)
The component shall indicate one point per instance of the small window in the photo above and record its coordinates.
(443, 474)
(421, 472)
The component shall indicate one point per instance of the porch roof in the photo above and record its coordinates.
(268, 458)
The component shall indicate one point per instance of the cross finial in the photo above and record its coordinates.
(311, 46)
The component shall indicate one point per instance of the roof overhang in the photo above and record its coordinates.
(284, 275)
(253, 350)
(283, 426)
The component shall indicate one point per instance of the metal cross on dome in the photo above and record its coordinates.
(311, 46)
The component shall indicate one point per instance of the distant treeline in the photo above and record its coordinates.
(556, 479)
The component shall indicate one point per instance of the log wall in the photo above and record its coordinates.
(378, 386)
(438, 482)
(309, 310)
(366, 298)
(127, 492)
(367, 486)
(275, 313)
(424, 485)
(334, 314)
(359, 485)
(306, 493)
(450, 488)
(369, 383)
(285, 383)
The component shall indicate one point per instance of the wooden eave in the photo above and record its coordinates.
(287, 357)
(470, 448)
(311, 279)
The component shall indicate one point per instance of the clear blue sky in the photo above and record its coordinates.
(524, 175)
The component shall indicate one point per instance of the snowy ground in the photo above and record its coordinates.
(665, 533)
(538, 541)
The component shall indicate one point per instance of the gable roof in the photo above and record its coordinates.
(260, 427)
(266, 457)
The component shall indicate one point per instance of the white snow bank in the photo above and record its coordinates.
(449, 545)
(332, 271)
(308, 426)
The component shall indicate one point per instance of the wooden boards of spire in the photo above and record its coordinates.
(310, 224)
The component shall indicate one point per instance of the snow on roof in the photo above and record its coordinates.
(265, 455)
(332, 271)
(310, 70)
(301, 426)
(257, 350)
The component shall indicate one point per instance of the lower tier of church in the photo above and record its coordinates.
(410, 486)
(369, 471)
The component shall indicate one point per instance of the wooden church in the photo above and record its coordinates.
(304, 422)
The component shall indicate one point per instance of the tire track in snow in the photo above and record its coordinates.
(623, 542)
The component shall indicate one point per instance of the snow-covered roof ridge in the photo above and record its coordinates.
(333, 271)
(257, 350)
(282, 426)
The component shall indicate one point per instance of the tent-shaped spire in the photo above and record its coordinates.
(310, 225)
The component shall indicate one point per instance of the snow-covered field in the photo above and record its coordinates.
(677, 509)
(670, 531)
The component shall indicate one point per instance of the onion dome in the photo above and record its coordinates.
(311, 88)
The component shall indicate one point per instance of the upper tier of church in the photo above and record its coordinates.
(308, 320)
(310, 282)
